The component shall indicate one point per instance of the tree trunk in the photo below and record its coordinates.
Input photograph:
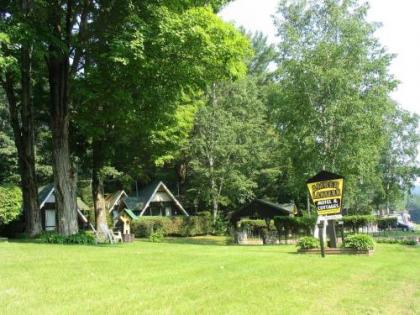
(65, 176)
(97, 184)
(214, 194)
(23, 131)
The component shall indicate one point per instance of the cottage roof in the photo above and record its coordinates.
(146, 195)
(263, 209)
(113, 199)
(130, 214)
(323, 175)
(46, 191)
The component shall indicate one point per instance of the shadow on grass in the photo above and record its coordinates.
(39, 242)
(209, 240)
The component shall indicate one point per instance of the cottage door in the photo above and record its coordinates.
(50, 220)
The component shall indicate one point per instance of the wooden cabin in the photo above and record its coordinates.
(154, 199)
(48, 209)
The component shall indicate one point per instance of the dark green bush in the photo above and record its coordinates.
(359, 241)
(387, 223)
(307, 242)
(81, 238)
(294, 225)
(174, 226)
(254, 225)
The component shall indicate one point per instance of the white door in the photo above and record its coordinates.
(49, 220)
(168, 211)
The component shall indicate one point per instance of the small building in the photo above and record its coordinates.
(155, 200)
(262, 209)
(46, 199)
(114, 204)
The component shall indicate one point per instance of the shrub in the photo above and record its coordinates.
(10, 203)
(387, 223)
(156, 236)
(81, 238)
(285, 224)
(220, 227)
(307, 242)
(175, 226)
(359, 241)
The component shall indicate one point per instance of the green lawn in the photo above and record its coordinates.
(204, 276)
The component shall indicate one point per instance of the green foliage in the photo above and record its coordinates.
(229, 146)
(356, 221)
(307, 242)
(387, 223)
(359, 242)
(398, 166)
(176, 226)
(156, 236)
(330, 99)
(220, 227)
(10, 203)
(294, 224)
(81, 238)
(410, 242)
(253, 225)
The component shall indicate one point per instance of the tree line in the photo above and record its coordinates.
(124, 92)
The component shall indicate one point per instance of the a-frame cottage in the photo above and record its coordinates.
(48, 209)
(153, 200)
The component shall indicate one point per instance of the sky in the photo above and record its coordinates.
(400, 34)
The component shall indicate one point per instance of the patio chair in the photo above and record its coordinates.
(112, 237)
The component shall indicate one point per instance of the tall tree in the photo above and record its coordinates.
(229, 144)
(16, 82)
(136, 78)
(398, 166)
(331, 100)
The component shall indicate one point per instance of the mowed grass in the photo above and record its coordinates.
(204, 276)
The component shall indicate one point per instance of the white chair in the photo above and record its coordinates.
(112, 237)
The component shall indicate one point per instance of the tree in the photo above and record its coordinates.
(331, 101)
(16, 75)
(229, 144)
(8, 155)
(137, 78)
(398, 167)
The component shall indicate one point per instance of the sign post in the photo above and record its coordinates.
(326, 191)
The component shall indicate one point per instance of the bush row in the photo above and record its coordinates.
(255, 225)
(82, 238)
(174, 226)
(294, 225)
(411, 242)
(387, 223)
(356, 221)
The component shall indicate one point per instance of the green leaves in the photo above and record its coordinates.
(10, 203)
(332, 98)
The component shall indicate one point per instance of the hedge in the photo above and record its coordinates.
(356, 221)
(173, 226)
(387, 223)
(81, 238)
(295, 224)
(255, 226)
